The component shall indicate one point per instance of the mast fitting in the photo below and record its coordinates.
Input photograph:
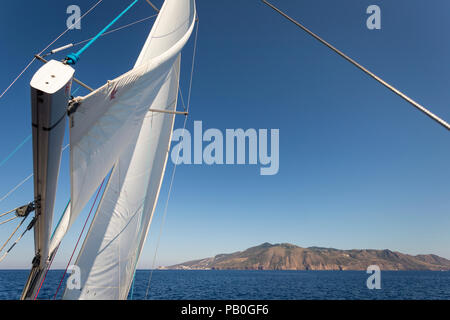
(25, 210)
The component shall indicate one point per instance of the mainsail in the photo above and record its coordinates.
(113, 127)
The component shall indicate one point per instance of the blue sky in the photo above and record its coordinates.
(359, 167)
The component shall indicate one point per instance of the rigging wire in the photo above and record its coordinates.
(75, 91)
(24, 181)
(11, 211)
(9, 220)
(359, 66)
(15, 150)
(72, 58)
(152, 5)
(117, 29)
(79, 238)
(17, 78)
(30, 226)
(176, 163)
(12, 235)
(16, 187)
(11, 155)
(71, 45)
(8, 212)
(45, 49)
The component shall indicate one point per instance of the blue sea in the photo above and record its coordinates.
(258, 285)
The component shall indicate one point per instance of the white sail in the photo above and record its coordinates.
(110, 252)
(60, 231)
(175, 21)
(109, 118)
(104, 124)
(109, 255)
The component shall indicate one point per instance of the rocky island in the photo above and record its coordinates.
(287, 256)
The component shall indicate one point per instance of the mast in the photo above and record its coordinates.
(50, 94)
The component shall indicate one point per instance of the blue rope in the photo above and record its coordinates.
(75, 91)
(74, 57)
(15, 150)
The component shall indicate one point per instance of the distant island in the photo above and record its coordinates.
(287, 256)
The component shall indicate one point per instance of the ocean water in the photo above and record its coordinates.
(258, 285)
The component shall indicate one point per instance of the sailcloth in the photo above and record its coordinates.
(110, 118)
(111, 250)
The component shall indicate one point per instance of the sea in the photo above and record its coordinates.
(256, 285)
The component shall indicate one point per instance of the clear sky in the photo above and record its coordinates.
(359, 167)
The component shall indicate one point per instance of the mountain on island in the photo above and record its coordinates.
(287, 256)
